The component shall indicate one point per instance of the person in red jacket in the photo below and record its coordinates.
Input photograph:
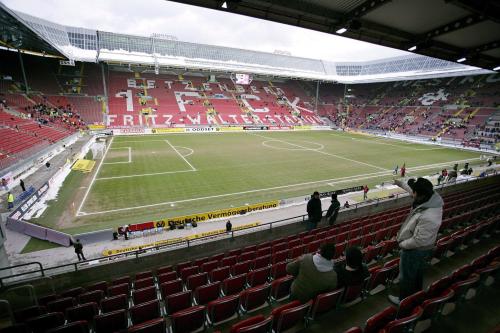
(403, 170)
(365, 192)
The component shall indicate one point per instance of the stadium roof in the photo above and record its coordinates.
(444, 29)
(26, 32)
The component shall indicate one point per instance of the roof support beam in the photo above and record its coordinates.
(485, 47)
(365, 8)
(488, 8)
(453, 26)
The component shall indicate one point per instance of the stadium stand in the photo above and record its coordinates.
(191, 295)
(460, 108)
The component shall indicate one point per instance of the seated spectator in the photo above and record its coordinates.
(314, 274)
(354, 271)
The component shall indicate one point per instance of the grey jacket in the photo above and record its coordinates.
(420, 229)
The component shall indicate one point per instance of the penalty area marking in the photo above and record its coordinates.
(129, 156)
(322, 152)
(188, 154)
(330, 182)
(193, 169)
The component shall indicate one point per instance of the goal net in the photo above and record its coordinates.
(98, 149)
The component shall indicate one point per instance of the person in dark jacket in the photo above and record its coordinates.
(229, 226)
(333, 210)
(314, 212)
(417, 236)
(354, 271)
(21, 183)
(79, 250)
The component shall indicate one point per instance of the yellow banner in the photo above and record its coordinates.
(302, 127)
(167, 130)
(83, 165)
(175, 240)
(96, 127)
(222, 213)
(234, 129)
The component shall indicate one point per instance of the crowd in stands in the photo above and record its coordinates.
(63, 116)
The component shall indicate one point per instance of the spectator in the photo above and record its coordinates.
(333, 210)
(10, 201)
(4, 184)
(346, 205)
(314, 212)
(365, 192)
(395, 172)
(417, 236)
(403, 170)
(354, 271)
(79, 250)
(313, 274)
(21, 183)
(229, 226)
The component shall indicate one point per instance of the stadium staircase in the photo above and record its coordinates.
(249, 286)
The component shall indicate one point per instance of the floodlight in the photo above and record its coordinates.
(462, 59)
(224, 5)
(341, 31)
(413, 48)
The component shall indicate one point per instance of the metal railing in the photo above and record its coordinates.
(59, 269)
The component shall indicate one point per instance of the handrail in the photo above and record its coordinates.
(41, 270)
(188, 243)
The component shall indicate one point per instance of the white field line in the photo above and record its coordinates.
(138, 141)
(326, 181)
(129, 156)
(190, 153)
(376, 142)
(322, 152)
(185, 160)
(94, 178)
(146, 174)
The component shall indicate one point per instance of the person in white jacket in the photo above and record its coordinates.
(417, 236)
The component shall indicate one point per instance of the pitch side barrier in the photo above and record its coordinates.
(211, 129)
(18, 275)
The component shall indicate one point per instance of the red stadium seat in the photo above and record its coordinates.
(189, 320)
(325, 302)
(255, 324)
(234, 284)
(223, 309)
(44, 322)
(219, 274)
(178, 301)
(280, 288)
(144, 312)
(288, 315)
(206, 293)
(254, 298)
(111, 322)
(114, 303)
(84, 312)
(144, 295)
(157, 325)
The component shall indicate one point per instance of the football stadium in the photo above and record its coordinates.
(345, 182)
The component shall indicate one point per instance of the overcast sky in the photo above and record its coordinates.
(200, 25)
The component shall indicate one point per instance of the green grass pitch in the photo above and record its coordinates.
(150, 177)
